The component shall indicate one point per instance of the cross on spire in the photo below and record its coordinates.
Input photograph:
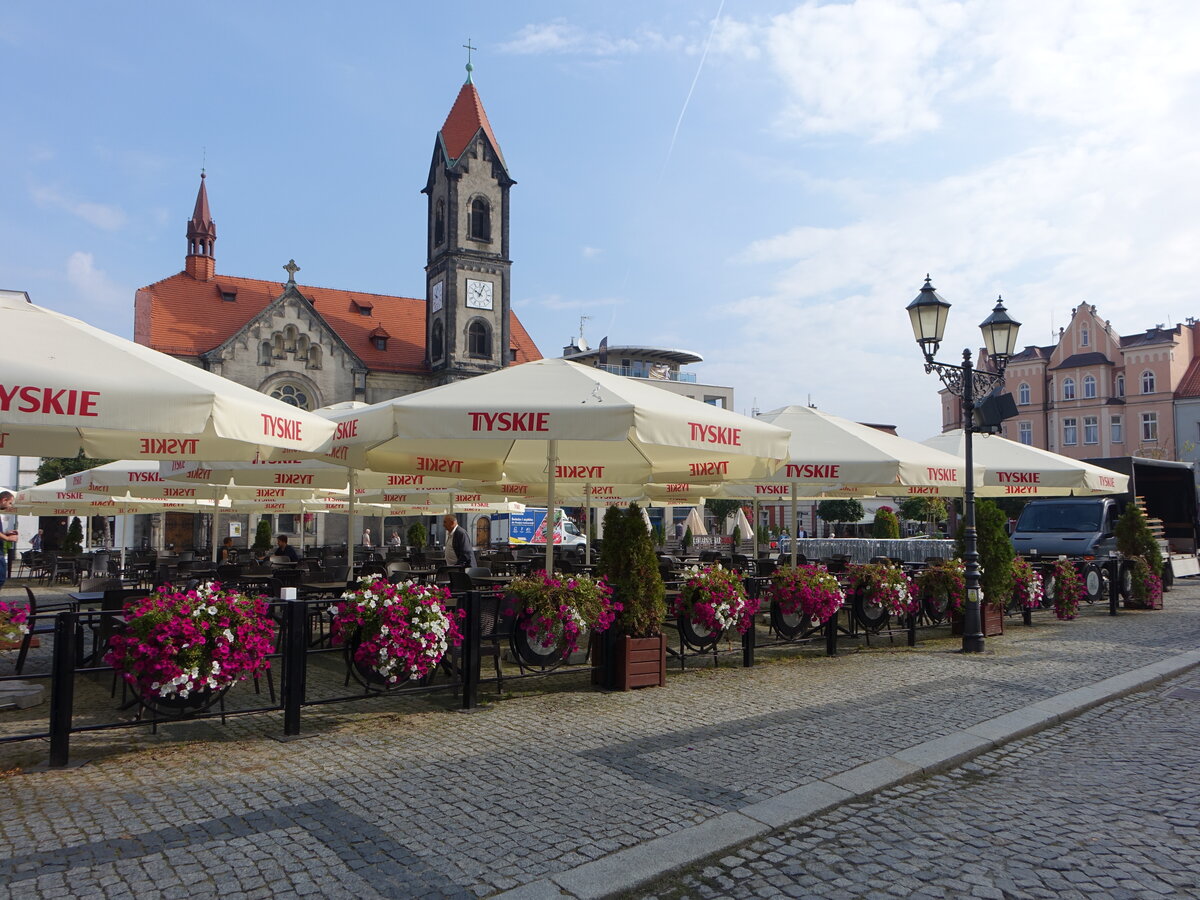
(291, 268)
(470, 68)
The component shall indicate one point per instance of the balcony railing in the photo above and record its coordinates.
(644, 372)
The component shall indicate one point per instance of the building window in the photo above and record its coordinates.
(437, 343)
(1025, 433)
(1089, 387)
(379, 343)
(1116, 430)
(1070, 432)
(1083, 335)
(1023, 394)
(1120, 387)
(1068, 388)
(481, 220)
(1091, 430)
(1147, 382)
(314, 357)
(1149, 426)
(439, 223)
(479, 340)
(292, 394)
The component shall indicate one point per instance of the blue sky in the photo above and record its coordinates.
(766, 183)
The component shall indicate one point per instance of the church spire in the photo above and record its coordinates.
(201, 236)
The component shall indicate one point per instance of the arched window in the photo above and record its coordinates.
(437, 342)
(1147, 382)
(1068, 388)
(1119, 387)
(264, 353)
(439, 223)
(479, 340)
(1084, 335)
(302, 347)
(481, 220)
(1023, 394)
(292, 394)
(277, 346)
(314, 357)
(1089, 387)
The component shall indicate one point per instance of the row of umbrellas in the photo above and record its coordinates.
(546, 431)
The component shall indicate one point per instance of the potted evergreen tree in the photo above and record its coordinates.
(636, 648)
(996, 561)
(1137, 543)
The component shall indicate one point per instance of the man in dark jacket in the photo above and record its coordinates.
(459, 551)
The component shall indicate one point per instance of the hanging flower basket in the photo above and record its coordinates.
(881, 590)
(394, 632)
(553, 611)
(942, 589)
(803, 598)
(1068, 589)
(13, 623)
(1028, 590)
(179, 651)
(711, 600)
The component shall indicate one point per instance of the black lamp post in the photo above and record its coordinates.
(928, 313)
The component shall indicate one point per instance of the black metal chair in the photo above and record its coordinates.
(33, 608)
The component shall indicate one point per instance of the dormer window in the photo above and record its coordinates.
(229, 292)
(363, 307)
(379, 338)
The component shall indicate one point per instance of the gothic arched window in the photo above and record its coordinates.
(439, 223)
(437, 342)
(479, 339)
(481, 220)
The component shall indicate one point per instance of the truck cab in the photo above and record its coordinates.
(1067, 526)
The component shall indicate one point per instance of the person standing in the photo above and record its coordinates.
(8, 532)
(459, 551)
(35, 542)
(366, 538)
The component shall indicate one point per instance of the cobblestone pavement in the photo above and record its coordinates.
(403, 798)
(1103, 805)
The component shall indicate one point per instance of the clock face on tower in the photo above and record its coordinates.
(436, 296)
(479, 294)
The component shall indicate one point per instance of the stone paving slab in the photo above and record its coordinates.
(544, 792)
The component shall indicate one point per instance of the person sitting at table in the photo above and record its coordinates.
(227, 555)
(395, 540)
(282, 548)
(459, 551)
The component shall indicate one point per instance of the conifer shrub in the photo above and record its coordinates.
(996, 552)
(629, 565)
(886, 525)
(262, 535)
(1134, 538)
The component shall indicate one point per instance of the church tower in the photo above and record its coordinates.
(467, 329)
(201, 264)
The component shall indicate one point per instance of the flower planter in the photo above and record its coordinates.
(1150, 604)
(640, 662)
(992, 621)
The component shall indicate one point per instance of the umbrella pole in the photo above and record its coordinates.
(754, 526)
(795, 523)
(353, 478)
(215, 524)
(551, 462)
(587, 519)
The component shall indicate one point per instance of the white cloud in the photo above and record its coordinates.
(94, 287)
(560, 37)
(109, 218)
(591, 252)
(557, 302)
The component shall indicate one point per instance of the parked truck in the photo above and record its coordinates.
(529, 529)
(1084, 528)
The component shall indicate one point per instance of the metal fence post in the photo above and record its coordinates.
(912, 629)
(748, 641)
(293, 679)
(62, 688)
(470, 649)
(831, 635)
(1026, 615)
(1114, 585)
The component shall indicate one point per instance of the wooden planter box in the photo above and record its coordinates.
(640, 662)
(992, 620)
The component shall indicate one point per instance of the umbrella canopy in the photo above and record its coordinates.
(832, 456)
(67, 387)
(289, 471)
(138, 478)
(739, 521)
(610, 429)
(1012, 469)
(695, 522)
(553, 420)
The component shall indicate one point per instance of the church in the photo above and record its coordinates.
(316, 346)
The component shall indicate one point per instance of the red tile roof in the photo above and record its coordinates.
(1189, 385)
(465, 119)
(184, 316)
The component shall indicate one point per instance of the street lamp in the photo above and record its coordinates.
(928, 313)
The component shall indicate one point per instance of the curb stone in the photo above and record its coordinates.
(628, 869)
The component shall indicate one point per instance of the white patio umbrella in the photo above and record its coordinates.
(1012, 469)
(695, 522)
(738, 520)
(67, 387)
(554, 420)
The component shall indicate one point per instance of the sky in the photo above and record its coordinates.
(765, 183)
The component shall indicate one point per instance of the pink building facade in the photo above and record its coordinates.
(1097, 393)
